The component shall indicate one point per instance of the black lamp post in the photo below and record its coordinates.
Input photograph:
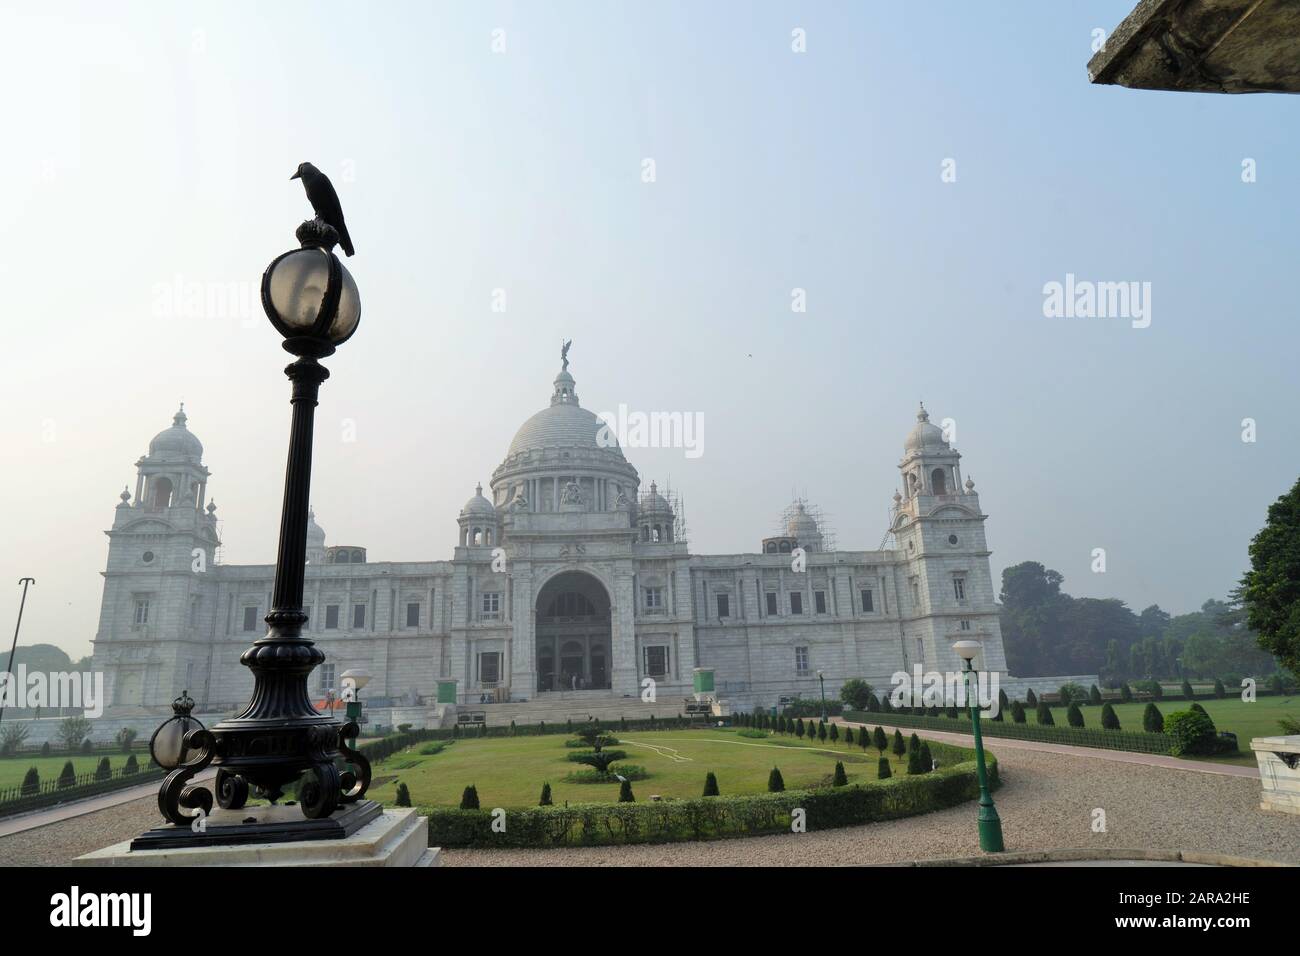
(821, 679)
(312, 301)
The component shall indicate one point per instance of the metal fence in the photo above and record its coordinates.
(90, 780)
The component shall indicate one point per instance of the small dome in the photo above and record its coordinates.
(478, 505)
(925, 435)
(315, 533)
(801, 525)
(177, 441)
(654, 502)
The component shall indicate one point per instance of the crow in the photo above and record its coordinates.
(323, 198)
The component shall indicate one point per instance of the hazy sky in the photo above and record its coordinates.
(150, 145)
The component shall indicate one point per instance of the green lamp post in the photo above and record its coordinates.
(989, 825)
(353, 681)
(821, 678)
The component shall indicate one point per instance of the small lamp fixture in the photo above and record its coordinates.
(167, 746)
(309, 296)
(967, 650)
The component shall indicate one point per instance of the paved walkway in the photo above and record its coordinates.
(1096, 753)
(77, 808)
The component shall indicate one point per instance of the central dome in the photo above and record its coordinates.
(565, 424)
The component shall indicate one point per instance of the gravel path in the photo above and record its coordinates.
(1046, 802)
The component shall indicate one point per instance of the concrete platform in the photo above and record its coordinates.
(398, 837)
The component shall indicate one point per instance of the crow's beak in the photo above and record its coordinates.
(296, 176)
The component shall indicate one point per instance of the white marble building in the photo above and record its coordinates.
(566, 580)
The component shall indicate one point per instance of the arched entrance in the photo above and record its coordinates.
(573, 634)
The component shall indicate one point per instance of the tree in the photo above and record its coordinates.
(11, 738)
(900, 745)
(625, 792)
(1044, 716)
(834, 733)
(31, 782)
(103, 771)
(545, 799)
(775, 782)
(1192, 733)
(131, 766)
(1109, 720)
(1153, 722)
(1188, 693)
(856, 693)
(882, 769)
(1219, 690)
(73, 730)
(1270, 590)
(1074, 716)
(1018, 712)
(710, 785)
(1125, 692)
(67, 776)
(1094, 696)
(879, 740)
(927, 761)
(821, 731)
(1004, 705)
(1031, 699)
(45, 749)
(913, 743)
(840, 779)
(914, 762)
(469, 799)
(403, 798)
(799, 729)
(848, 735)
(125, 738)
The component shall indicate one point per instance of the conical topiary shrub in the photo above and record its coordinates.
(775, 782)
(799, 728)
(927, 761)
(1074, 715)
(469, 799)
(1094, 696)
(131, 766)
(879, 740)
(1219, 690)
(1031, 699)
(1044, 716)
(914, 762)
(882, 769)
(1153, 722)
(45, 749)
(821, 732)
(840, 779)
(913, 744)
(403, 795)
(1109, 720)
(1017, 712)
(625, 792)
(545, 799)
(710, 785)
(900, 745)
(103, 771)
(1188, 693)
(31, 782)
(67, 776)
(1125, 692)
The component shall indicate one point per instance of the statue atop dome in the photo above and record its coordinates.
(564, 354)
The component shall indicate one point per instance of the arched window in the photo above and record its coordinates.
(785, 547)
(487, 535)
(477, 537)
(162, 492)
(937, 484)
(656, 534)
(570, 604)
(771, 547)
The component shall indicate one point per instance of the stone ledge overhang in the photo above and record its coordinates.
(1204, 46)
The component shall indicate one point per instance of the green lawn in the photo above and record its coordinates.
(1246, 720)
(13, 769)
(510, 771)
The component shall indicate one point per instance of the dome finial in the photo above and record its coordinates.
(564, 354)
(179, 418)
(921, 414)
(478, 488)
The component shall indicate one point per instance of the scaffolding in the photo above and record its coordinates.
(676, 503)
(823, 520)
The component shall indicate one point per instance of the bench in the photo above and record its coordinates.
(472, 717)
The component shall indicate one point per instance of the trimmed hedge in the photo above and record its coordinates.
(1074, 736)
(711, 818)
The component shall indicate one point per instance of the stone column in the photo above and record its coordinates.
(623, 631)
(523, 656)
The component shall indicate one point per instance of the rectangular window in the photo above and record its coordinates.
(724, 605)
(959, 589)
(413, 614)
(331, 617)
(916, 591)
(819, 600)
(796, 602)
(965, 625)
(654, 599)
(771, 604)
(358, 616)
(656, 661)
(489, 667)
(326, 672)
(250, 618)
(195, 602)
(141, 612)
(868, 605)
(801, 660)
(491, 605)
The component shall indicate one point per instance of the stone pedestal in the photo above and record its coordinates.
(1279, 772)
(397, 837)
